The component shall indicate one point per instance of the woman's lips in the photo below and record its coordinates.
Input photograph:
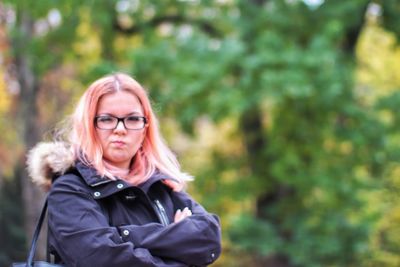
(118, 143)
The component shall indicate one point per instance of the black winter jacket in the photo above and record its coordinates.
(95, 221)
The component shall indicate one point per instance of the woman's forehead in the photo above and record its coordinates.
(119, 102)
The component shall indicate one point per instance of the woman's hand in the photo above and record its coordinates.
(180, 215)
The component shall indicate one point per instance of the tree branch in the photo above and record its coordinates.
(205, 26)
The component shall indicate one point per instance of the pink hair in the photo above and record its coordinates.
(154, 154)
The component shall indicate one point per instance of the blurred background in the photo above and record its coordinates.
(285, 111)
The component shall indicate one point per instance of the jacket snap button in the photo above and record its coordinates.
(97, 194)
(125, 232)
(120, 186)
(212, 255)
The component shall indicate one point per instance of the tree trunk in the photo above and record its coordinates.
(27, 120)
(256, 142)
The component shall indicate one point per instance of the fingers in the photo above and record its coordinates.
(187, 212)
(178, 216)
(182, 214)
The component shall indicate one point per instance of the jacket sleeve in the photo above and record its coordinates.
(82, 235)
(196, 240)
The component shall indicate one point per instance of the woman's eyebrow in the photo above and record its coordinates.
(135, 113)
(128, 114)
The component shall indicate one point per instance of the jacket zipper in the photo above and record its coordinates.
(160, 211)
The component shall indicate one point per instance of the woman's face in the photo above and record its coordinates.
(120, 145)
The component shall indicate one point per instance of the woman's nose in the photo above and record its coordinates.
(120, 127)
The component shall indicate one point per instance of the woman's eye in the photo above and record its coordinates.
(133, 118)
(105, 119)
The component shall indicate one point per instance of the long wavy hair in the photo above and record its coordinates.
(154, 154)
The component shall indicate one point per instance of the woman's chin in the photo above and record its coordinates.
(119, 160)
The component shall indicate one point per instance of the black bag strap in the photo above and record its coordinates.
(39, 224)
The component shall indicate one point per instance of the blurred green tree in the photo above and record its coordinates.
(378, 78)
(36, 43)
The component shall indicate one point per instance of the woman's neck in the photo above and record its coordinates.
(116, 171)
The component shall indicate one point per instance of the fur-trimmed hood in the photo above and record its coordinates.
(48, 159)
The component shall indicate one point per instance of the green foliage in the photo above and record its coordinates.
(323, 145)
(256, 235)
(390, 20)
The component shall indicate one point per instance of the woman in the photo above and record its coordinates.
(117, 196)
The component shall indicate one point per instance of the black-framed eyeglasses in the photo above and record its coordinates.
(109, 122)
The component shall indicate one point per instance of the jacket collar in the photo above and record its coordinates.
(90, 175)
(102, 186)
